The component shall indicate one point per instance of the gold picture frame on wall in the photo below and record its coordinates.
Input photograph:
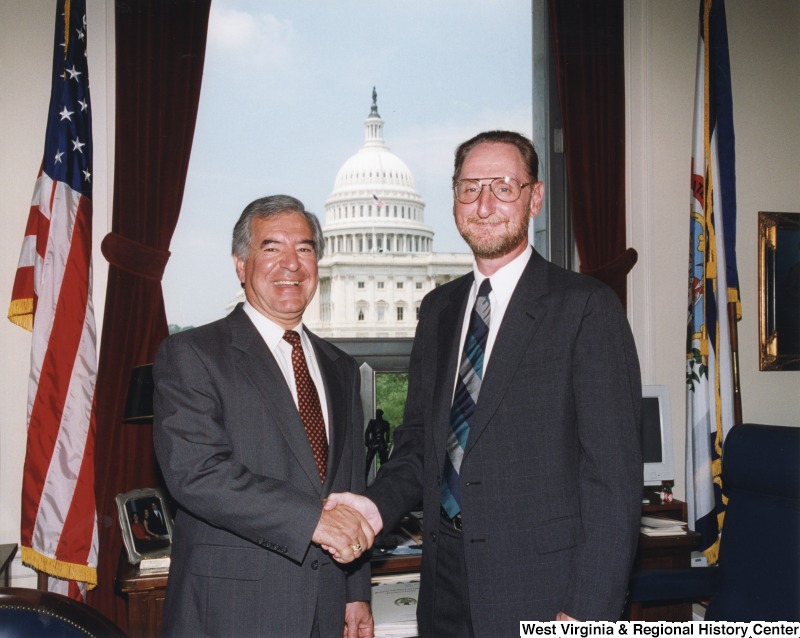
(779, 291)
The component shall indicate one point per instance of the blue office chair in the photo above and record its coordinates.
(31, 613)
(757, 576)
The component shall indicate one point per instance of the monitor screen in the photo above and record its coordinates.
(656, 432)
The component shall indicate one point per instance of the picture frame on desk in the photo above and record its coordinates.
(146, 524)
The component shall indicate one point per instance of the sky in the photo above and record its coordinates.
(287, 85)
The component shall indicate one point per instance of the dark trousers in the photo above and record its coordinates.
(451, 615)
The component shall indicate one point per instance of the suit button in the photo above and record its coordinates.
(433, 536)
(315, 564)
(260, 541)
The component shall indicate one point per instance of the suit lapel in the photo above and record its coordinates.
(448, 340)
(521, 320)
(257, 363)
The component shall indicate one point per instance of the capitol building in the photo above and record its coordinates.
(379, 261)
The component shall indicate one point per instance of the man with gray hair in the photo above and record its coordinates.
(256, 421)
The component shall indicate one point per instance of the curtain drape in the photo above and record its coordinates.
(160, 49)
(588, 46)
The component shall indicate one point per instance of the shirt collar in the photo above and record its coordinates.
(270, 331)
(505, 279)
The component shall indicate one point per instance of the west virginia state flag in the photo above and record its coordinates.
(713, 279)
(52, 297)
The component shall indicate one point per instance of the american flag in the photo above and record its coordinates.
(52, 297)
(378, 201)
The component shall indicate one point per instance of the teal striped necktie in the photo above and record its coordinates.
(465, 398)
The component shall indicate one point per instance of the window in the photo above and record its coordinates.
(255, 46)
(399, 285)
(384, 373)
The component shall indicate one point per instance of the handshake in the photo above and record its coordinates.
(347, 526)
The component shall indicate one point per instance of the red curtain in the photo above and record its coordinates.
(588, 46)
(160, 48)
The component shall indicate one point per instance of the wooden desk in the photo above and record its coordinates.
(383, 564)
(664, 552)
(654, 552)
(145, 592)
(675, 510)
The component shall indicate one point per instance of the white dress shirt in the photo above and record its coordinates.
(281, 349)
(504, 281)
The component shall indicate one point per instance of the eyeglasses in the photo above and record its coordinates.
(506, 189)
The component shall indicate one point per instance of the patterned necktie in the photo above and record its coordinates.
(465, 398)
(308, 404)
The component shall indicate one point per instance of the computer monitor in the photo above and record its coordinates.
(657, 435)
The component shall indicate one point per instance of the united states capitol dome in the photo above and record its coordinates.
(374, 205)
(374, 165)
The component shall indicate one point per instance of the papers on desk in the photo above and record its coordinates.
(656, 526)
(394, 605)
(158, 564)
(406, 550)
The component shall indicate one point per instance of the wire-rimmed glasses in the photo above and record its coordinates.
(506, 189)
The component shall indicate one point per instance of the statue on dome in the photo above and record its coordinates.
(374, 110)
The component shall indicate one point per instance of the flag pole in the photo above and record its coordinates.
(733, 319)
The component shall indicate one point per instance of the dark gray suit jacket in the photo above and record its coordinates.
(236, 459)
(552, 474)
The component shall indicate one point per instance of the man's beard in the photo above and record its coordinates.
(494, 246)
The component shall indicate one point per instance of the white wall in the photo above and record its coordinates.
(765, 66)
(765, 60)
(26, 52)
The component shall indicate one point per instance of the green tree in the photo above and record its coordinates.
(391, 389)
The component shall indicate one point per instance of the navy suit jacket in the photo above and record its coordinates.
(551, 476)
(235, 457)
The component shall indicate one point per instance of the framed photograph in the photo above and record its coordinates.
(146, 524)
(779, 291)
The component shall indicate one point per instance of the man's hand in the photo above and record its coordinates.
(344, 533)
(564, 618)
(362, 504)
(358, 621)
